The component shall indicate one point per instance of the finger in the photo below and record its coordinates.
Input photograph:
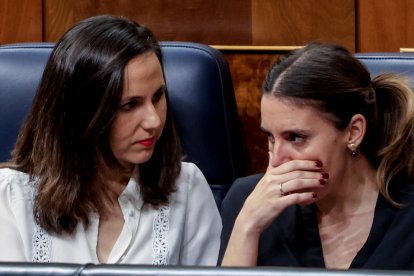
(300, 186)
(306, 182)
(299, 198)
(293, 165)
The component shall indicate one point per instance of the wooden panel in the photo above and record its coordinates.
(20, 21)
(298, 22)
(248, 72)
(385, 25)
(209, 22)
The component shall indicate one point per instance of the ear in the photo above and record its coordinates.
(356, 130)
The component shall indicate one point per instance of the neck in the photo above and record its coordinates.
(355, 192)
(114, 182)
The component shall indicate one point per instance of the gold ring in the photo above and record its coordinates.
(281, 189)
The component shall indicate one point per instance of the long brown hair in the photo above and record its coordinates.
(331, 79)
(68, 126)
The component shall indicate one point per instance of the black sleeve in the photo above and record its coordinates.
(232, 203)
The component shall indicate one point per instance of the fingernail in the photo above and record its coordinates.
(318, 163)
(322, 181)
(314, 195)
(325, 175)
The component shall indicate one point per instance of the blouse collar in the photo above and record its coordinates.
(132, 194)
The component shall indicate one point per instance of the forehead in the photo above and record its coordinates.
(143, 72)
(280, 113)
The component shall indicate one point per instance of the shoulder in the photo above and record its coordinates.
(242, 187)
(189, 169)
(14, 185)
(239, 191)
(247, 183)
(13, 179)
(402, 192)
(193, 192)
(190, 176)
(191, 181)
(406, 198)
(14, 175)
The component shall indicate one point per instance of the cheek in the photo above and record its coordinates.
(121, 130)
(327, 149)
(113, 135)
(334, 159)
(162, 112)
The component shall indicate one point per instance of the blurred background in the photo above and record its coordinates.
(250, 33)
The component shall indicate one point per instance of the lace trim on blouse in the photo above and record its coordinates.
(42, 244)
(40, 239)
(159, 236)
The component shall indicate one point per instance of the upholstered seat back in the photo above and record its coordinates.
(201, 96)
(400, 63)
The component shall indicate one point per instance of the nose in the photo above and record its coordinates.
(152, 119)
(279, 153)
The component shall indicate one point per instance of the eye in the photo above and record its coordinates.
(130, 105)
(295, 137)
(158, 95)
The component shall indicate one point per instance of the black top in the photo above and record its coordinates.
(293, 238)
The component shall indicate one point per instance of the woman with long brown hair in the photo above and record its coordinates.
(96, 173)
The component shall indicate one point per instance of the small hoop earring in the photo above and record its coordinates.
(353, 148)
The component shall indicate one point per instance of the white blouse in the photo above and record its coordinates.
(185, 232)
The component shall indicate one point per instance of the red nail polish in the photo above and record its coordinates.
(318, 163)
(314, 195)
(322, 181)
(325, 175)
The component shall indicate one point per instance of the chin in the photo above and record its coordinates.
(143, 158)
(137, 158)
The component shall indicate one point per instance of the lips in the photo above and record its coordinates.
(147, 142)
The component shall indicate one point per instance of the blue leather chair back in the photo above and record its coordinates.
(201, 95)
(400, 63)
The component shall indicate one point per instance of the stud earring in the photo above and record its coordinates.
(353, 148)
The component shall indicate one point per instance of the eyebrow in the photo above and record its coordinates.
(295, 130)
(163, 88)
